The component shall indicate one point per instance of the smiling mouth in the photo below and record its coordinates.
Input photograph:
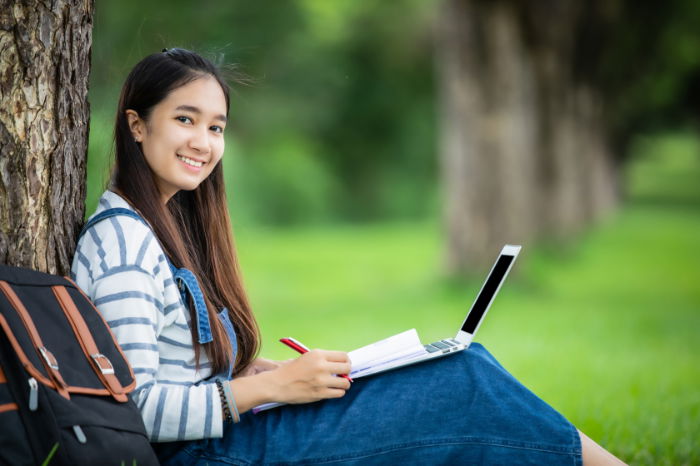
(190, 162)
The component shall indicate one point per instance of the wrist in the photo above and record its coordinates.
(253, 390)
(268, 386)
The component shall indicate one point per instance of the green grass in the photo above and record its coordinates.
(605, 330)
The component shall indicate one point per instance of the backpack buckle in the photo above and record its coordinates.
(49, 358)
(101, 359)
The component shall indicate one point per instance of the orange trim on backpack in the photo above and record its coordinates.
(132, 385)
(34, 372)
(101, 365)
(47, 359)
(26, 363)
(8, 407)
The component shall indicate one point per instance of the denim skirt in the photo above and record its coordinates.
(460, 409)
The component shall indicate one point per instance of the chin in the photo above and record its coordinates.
(190, 185)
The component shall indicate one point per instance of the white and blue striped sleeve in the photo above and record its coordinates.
(124, 276)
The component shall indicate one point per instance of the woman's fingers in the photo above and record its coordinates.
(330, 369)
(337, 382)
(339, 368)
(336, 356)
(338, 361)
(334, 393)
(314, 374)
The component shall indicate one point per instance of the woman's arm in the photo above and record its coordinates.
(130, 303)
(310, 377)
(127, 279)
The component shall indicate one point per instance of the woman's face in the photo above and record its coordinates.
(183, 139)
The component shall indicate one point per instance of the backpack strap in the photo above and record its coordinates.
(100, 363)
(47, 358)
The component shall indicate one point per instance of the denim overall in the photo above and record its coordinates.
(187, 284)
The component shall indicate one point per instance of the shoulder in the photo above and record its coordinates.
(118, 241)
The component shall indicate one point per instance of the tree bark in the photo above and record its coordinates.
(524, 149)
(44, 118)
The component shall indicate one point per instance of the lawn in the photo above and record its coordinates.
(603, 327)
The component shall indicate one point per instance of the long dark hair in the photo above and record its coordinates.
(194, 227)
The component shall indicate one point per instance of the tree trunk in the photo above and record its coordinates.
(523, 149)
(487, 93)
(44, 117)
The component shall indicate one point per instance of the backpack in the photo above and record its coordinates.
(64, 381)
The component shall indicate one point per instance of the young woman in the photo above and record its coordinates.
(157, 259)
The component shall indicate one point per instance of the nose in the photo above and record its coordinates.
(199, 140)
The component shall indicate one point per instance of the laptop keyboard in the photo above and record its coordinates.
(442, 345)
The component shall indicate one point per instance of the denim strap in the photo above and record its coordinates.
(231, 332)
(97, 218)
(185, 280)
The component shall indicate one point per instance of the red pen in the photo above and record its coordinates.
(299, 347)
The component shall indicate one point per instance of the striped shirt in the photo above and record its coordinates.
(122, 268)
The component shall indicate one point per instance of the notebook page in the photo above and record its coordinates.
(396, 347)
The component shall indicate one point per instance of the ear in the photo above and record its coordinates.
(136, 125)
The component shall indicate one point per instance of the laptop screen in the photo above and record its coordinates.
(485, 297)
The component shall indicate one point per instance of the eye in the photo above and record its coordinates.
(216, 129)
(184, 119)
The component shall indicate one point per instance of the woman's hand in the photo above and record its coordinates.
(310, 377)
(261, 365)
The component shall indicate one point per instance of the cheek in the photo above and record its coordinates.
(218, 151)
(216, 159)
(157, 146)
(213, 165)
(148, 153)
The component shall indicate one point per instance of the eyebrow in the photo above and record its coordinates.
(192, 109)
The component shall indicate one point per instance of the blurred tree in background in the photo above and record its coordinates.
(538, 103)
(525, 148)
(533, 105)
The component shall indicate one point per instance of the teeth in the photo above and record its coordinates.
(190, 161)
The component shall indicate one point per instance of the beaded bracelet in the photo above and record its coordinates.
(226, 408)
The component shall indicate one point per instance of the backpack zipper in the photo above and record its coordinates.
(33, 394)
(79, 434)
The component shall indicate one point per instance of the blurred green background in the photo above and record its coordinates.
(333, 176)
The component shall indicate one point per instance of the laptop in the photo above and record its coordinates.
(471, 323)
